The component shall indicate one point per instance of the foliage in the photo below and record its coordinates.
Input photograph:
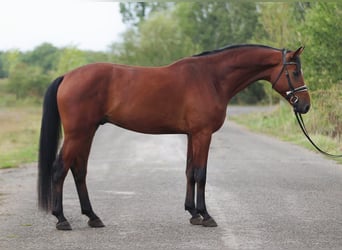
(30, 73)
(161, 41)
(211, 25)
(136, 12)
(253, 94)
(216, 24)
(323, 123)
(26, 81)
(3, 72)
(71, 58)
(160, 32)
(277, 27)
(186, 28)
(278, 23)
(44, 56)
(125, 52)
(326, 114)
(322, 34)
(158, 42)
(9, 60)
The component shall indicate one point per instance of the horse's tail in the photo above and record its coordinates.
(48, 144)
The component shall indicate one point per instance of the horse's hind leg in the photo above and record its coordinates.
(81, 148)
(74, 155)
(79, 172)
(60, 171)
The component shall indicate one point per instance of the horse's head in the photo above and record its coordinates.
(289, 82)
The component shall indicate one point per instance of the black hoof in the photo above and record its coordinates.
(210, 222)
(196, 220)
(95, 223)
(64, 225)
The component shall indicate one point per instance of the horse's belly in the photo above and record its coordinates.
(149, 122)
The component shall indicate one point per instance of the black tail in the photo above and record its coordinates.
(48, 144)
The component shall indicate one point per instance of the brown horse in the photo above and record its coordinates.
(188, 97)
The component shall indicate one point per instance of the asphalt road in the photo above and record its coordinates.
(263, 193)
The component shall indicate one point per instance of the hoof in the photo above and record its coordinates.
(64, 225)
(196, 220)
(95, 223)
(210, 222)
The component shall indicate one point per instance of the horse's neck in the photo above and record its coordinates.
(236, 70)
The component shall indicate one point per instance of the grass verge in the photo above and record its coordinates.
(282, 123)
(19, 134)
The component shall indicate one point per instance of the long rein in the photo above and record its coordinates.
(305, 132)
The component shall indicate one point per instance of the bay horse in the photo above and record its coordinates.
(189, 96)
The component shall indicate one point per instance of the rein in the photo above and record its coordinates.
(302, 126)
(290, 95)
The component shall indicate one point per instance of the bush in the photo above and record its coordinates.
(326, 114)
(27, 81)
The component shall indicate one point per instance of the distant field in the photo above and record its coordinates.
(19, 132)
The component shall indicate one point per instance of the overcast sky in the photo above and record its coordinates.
(87, 24)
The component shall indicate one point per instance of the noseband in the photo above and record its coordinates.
(290, 95)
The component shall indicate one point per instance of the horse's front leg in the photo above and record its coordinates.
(200, 143)
(190, 206)
(200, 178)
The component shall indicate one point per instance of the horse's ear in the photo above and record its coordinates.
(298, 51)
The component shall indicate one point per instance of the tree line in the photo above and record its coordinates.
(158, 33)
(29, 73)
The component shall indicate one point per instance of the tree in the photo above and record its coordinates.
(136, 12)
(161, 41)
(126, 52)
(212, 25)
(96, 56)
(27, 81)
(278, 26)
(70, 58)
(322, 35)
(45, 56)
(10, 59)
(216, 24)
(158, 41)
(190, 27)
(3, 72)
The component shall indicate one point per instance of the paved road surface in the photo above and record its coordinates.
(264, 194)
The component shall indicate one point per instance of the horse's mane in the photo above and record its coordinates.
(229, 47)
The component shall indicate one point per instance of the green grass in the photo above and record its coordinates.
(19, 132)
(19, 128)
(282, 124)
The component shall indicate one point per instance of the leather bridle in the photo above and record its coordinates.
(293, 99)
(291, 93)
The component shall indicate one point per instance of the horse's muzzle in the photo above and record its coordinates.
(301, 107)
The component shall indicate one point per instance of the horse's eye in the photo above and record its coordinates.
(295, 73)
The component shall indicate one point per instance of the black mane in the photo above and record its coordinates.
(211, 52)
